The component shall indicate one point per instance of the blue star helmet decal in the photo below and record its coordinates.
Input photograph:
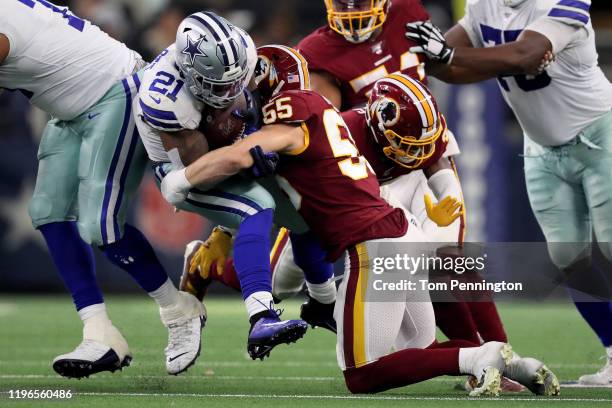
(193, 48)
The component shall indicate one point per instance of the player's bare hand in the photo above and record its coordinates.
(445, 212)
(547, 59)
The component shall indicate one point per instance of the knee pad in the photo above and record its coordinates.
(566, 255)
(44, 210)
(91, 232)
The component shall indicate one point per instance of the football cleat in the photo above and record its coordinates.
(318, 314)
(602, 377)
(506, 385)
(103, 349)
(534, 375)
(184, 321)
(200, 257)
(493, 357)
(268, 331)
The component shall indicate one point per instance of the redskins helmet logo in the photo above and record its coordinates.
(387, 112)
(262, 69)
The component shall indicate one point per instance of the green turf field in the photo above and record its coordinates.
(35, 329)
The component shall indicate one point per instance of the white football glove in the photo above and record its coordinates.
(175, 187)
(430, 41)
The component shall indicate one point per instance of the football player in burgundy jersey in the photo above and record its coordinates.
(360, 45)
(334, 190)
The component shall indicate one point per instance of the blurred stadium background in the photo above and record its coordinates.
(491, 141)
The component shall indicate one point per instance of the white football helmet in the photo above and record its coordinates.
(216, 58)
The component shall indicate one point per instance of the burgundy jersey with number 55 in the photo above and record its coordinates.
(357, 66)
(327, 180)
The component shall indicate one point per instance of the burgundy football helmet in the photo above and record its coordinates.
(280, 68)
(404, 119)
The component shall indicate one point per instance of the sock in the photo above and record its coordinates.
(310, 256)
(74, 260)
(402, 368)
(229, 277)
(455, 320)
(93, 311)
(453, 344)
(597, 314)
(166, 295)
(252, 254)
(488, 322)
(609, 352)
(258, 302)
(466, 359)
(134, 254)
(323, 292)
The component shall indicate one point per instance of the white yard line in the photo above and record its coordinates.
(337, 397)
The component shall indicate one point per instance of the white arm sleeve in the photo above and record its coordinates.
(445, 183)
(558, 33)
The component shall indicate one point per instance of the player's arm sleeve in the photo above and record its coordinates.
(564, 23)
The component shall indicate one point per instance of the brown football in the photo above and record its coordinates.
(220, 126)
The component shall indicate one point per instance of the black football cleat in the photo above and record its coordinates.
(318, 314)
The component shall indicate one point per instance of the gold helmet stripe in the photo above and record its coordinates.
(422, 99)
(424, 109)
(302, 64)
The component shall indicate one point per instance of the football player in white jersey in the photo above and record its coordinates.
(193, 81)
(565, 112)
(90, 165)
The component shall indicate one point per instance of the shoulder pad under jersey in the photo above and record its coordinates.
(573, 13)
(165, 101)
(294, 107)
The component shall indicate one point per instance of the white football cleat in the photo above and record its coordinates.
(103, 349)
(488, 367)
(602, 377)
(534, 375)
(184, 321)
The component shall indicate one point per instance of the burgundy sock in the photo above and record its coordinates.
(229, 277)
(488, 322)
(455, 321)
(402, 368)
(453, 344)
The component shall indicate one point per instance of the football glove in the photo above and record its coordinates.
(264, 164)
(251, 115)
(215, 249)
(445, 212)
(430, 41)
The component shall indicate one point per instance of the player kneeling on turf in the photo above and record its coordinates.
(333, 189)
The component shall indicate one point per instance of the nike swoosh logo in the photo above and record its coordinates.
(93, 115)
(157, 101)
(170, 359)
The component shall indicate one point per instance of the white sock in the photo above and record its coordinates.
(322, 292)
(258, 302)
(467, 358)
(166, 295)
(609, 352)
(95, 312)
